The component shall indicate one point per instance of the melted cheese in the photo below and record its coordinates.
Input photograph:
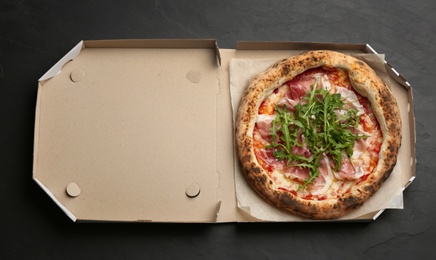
(365, 151)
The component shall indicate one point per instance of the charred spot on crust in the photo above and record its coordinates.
(360, 63)
(370, 189)
(307, 214)
(255, 170)
(246, 158)
(286, 200)
(312, 206)
(286, 70)
(260, 180)
(247, 144)
(352, 202)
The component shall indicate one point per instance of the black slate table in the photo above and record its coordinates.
(34, 35)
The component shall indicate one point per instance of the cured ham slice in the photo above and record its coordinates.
(264, 124)
(267, 156)
(296, 173)
(300, 85)
(324, 180)
(350, 100)
(325, 83)
(349, 171)
(292, 175)
(301, 150)
(289, 103)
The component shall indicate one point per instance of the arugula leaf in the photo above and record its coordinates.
(324, 131)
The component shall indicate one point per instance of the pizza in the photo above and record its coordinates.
(317, 134)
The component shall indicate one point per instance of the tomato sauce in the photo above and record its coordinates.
(368, 121)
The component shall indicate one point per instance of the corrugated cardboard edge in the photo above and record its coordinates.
(57, 68)
(135, 43)
(267, 45)
(157, 43)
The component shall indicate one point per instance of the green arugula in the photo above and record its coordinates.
(324, 132)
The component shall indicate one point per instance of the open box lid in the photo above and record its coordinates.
(141, 130)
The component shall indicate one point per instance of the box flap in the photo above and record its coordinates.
(56, 69)
(158, 44)
(267, 45)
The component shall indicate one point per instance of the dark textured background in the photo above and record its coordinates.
(34, 35)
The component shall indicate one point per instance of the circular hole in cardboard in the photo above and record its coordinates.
(193, 190)
(77, 75)
(194, 76)
(73, 190)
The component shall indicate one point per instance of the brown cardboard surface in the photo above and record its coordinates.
(134, 124)
(133, 133)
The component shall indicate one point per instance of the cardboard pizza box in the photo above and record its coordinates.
(142, 131)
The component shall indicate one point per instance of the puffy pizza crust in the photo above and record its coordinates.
(367, 83)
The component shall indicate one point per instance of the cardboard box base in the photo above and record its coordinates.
(143, 131)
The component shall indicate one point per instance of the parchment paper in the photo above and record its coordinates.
(390, 194)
